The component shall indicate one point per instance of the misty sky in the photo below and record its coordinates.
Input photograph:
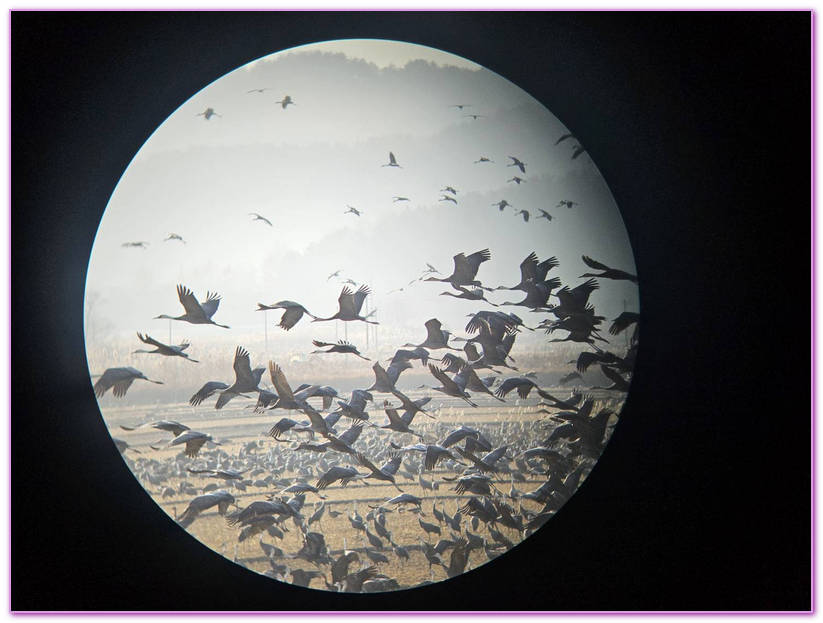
(300, 167)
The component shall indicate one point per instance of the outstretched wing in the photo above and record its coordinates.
(211, 303)
(359, 297)
(465, 267)
(623, 321)
(291, 317)
(351, 434)
(320, 344)
(528, 267)
(281, 385)
(392, 465)
(594, 263)
(614, 377)
(147, 339)
(441, 376)
(435, 333)
(365, 462)
(242, 368)
(207, 390)
(189, 302)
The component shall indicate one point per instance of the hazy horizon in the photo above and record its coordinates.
(301, 167)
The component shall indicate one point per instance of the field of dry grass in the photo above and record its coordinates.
(244, 445)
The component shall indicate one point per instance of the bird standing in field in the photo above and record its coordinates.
(120, 379)
(164, 349)
(196, 312)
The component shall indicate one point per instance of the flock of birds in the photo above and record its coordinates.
(312, 454)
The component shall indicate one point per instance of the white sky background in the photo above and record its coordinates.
(302, 166)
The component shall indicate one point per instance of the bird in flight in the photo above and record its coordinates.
(475, 117)
(563, 138)
(525, 214)
(334, 274)
(517, 163)
(578, 149)
(120, 379)
(286, 101)
(516, 180)
(567, 203)
(397, 198)
(196, 312)
(448, 189)
(164, 349)
(294, 312)
(136, 245)
(460, 106)
(258, 90)
(502, 204)
(175, 237)
(544, 214)
(352, 210)
(257, 217)
(483, 159)
(447, 198)
(208, 114)
(608, 272)
(392, 162)
(341, 347)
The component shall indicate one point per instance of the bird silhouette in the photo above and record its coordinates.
(392, 162)
(196, 312)
(608, 273)
(341, 347)
(258, 217)
(350, 303)
(517, 163)
(294, 312)
(163, 349)
(208, 114)
(286, 101)
(120, 379)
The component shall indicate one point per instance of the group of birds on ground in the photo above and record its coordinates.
(313, 454)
